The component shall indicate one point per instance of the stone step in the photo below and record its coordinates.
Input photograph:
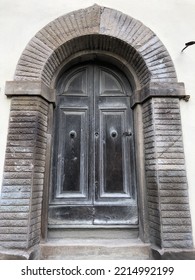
(94, 249)
(92, 233)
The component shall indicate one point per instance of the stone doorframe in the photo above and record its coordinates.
(95, 33)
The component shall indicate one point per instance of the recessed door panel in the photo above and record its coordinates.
(110, 84)
(73, 154)
(76, 83)
(115, 215)
(111, 152)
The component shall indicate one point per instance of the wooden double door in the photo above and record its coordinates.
(93, 172)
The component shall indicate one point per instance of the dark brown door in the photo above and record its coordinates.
(94, 164)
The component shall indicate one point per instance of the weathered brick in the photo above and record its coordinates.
(173, 186)
(16, 182)
(172, 179)
(175, 214)
(12, 216)
(14, 244)
(13, 188)
(155, 233)
(178, 244)
(12, 237)
(171, 161)
(18, 208)
(177, 236)
(14, 202)
(176, 228)
(19, 168)
(175, 199)
(173, 193)
(171, 156)
(172, 167)
(13, 230)
(17, 175)
(176, 221)
(19, 155)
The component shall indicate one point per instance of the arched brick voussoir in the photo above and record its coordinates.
(94, 29)
(96, 43)
(143, 40)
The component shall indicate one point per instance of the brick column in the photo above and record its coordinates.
(24, 171)
(167, 190)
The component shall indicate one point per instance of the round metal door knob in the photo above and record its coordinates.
(72, 134)
(114, 134)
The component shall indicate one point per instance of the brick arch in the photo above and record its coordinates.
(95, 28)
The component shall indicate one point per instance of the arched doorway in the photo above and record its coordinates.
(94, 162)
(164, 214)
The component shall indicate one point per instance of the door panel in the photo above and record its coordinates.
(92, 215)
(76, 83)
(70, 215)
(115, 215)
(114, 154)
(94, 166)
(72, 154)
(109, 84)
(111, 158)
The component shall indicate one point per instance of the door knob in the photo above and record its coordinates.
(72, 134)
(114, 134)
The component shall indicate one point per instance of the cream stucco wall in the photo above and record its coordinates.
(172, 21)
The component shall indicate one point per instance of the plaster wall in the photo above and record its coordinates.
(172, 21)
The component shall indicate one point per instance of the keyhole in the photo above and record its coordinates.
(72, 134)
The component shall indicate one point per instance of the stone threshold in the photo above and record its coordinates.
(95, 249)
